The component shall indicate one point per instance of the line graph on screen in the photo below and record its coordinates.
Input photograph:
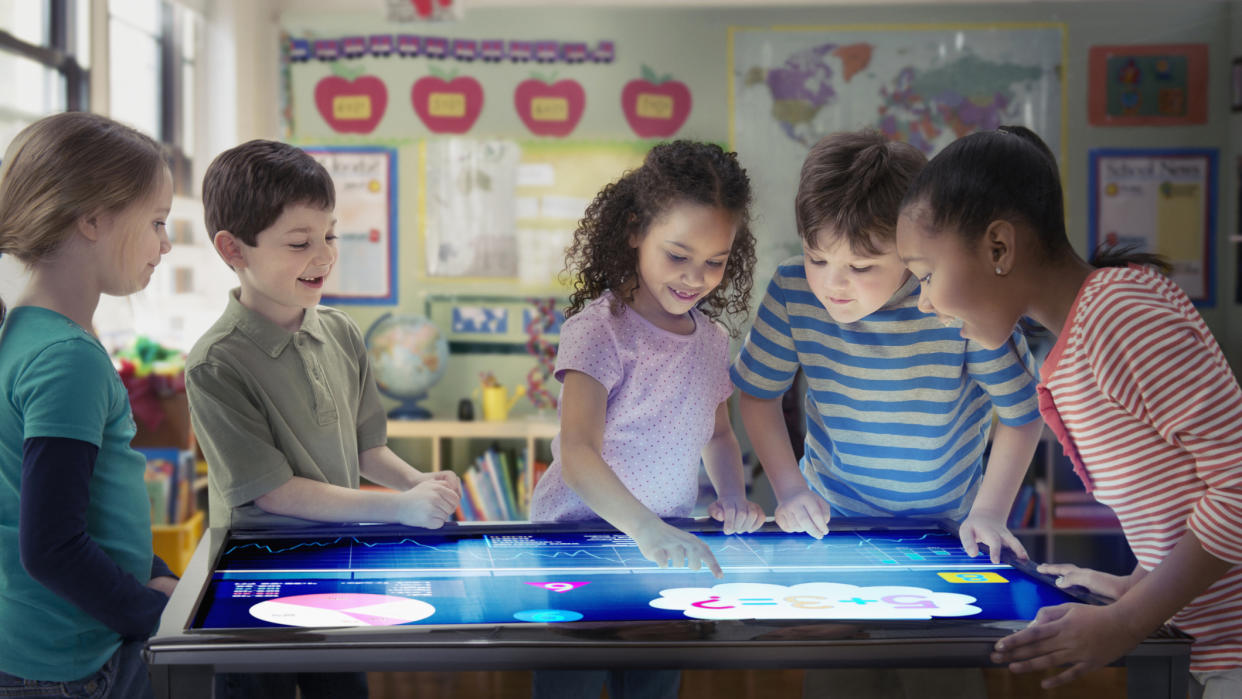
(499, 555)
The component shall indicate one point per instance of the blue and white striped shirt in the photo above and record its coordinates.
(898, 406)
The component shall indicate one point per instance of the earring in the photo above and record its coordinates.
(999, 272)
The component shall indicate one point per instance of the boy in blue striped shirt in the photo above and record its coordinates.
(898, 405)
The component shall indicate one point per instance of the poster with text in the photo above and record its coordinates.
(468, 197)
(500, 210)
(1160, 201)
(366, 210)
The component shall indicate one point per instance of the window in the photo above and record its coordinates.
(134, 66)
(152, 48)
(42, 61)
(43, 50)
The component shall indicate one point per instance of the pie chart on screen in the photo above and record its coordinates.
(341, 609)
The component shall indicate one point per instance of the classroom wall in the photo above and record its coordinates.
(691, 44)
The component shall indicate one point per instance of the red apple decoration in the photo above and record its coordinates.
(447, 104)
(549, 109)
(655, 107)
(351, 104)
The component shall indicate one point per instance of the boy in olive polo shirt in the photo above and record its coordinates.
(281, 393)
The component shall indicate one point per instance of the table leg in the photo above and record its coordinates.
(181, 681)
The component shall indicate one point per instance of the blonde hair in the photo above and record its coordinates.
(63, 167)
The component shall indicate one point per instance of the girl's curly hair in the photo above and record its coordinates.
(680, 172)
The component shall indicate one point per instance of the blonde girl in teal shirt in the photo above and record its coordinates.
(82, 204)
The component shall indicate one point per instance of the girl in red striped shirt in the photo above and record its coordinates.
(1136, 389)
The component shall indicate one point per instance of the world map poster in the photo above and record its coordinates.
(923, 84)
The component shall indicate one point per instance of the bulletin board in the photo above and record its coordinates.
(366, 215)
(503, 136)
(506, 210)
(1160, 201)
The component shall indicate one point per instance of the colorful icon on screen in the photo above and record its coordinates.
(545, 616)
(981, 577)
(817, 600)
(559, 586)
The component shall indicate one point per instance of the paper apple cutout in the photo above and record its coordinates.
(655, 107)
(447, 104)
(549, 109)
(351, 104)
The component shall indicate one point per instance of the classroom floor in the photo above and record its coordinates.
(717, 684)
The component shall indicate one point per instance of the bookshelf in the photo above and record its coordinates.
(529, 431)
(1063, 523)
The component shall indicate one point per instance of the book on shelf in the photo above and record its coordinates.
(1028, 506)
(495, 487)
(1018, 514)
(465, 509)
(490, 465)
(481, 495)
(1078, 509)
(1040, 518)
(539, 469)
(523, 491)
(1073, 496)
(1084, 516)
(508, 487)
(169, 477)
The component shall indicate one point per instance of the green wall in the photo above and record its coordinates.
(691, 45)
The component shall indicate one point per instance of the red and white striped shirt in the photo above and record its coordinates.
(1145, 405)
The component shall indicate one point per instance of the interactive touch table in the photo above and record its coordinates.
(525, 596)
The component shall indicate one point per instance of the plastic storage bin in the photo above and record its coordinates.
(175, 543)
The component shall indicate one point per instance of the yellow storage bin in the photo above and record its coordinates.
(175, 542)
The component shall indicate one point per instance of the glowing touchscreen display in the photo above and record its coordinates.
(533, 576)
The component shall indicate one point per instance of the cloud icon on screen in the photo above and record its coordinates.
(814, 600)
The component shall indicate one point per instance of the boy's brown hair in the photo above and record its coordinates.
(247, 187)
(852, 183)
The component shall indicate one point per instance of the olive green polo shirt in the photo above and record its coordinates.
(267, 405)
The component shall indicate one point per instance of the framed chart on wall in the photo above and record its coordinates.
(1147, 85)
(1160, 200)
(366, 218)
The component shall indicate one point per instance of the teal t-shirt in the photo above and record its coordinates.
(58, 381)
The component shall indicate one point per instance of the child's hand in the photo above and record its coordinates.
(1104, 584)
(988, 528)
(446, 477)
(429, 504)
(737, 514)
(1082, 636)
(667, 546)
(804, 512)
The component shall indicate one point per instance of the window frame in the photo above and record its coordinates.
(57, 52)
(179, 154)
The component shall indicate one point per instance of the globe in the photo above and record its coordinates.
(408, 354)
